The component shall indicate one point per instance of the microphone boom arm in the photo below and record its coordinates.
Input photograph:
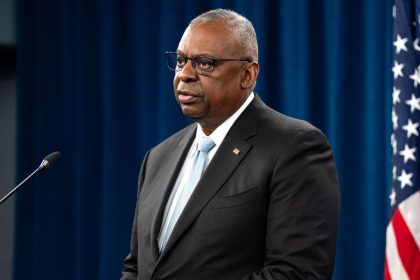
(21, 183)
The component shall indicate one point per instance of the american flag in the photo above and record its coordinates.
(402, 256)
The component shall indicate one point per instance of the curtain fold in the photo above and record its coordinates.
(93, 83)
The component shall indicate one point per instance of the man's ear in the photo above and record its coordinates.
(250, 74)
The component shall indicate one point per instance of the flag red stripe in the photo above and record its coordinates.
(386, 271)
(407, 247)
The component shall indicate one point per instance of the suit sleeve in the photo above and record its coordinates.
(130, 269)
(303, 212)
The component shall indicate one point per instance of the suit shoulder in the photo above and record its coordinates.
(174, 139)
(281, 123)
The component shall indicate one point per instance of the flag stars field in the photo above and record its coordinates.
(394, 119)
(400, 44)
(411, 128)
(416, 76)
(392, 197)
(393, 144)
(408, 153)
(396, 96)
(405, 179)
(397, 69)
(414, 103)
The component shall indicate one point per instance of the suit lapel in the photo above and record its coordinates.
(171, 168)
(232, 151)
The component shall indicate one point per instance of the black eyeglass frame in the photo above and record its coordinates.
(194, 58)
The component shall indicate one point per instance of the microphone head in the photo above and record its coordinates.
(50, 160)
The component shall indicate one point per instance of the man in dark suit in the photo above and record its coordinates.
(266, 206)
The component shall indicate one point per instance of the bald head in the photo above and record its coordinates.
(241, 31)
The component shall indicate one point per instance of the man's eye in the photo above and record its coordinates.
(204, 63)
(180, 61)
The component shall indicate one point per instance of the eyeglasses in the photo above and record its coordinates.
(202, 65)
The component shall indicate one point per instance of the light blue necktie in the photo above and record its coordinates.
(205, 144)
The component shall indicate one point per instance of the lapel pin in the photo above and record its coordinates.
(236, 151)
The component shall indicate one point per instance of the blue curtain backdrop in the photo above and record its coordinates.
(92, 83)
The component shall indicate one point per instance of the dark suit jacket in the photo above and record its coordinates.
(268, 212)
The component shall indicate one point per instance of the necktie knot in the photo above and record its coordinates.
(205, 144)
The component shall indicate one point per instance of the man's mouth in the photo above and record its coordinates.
(186, 97)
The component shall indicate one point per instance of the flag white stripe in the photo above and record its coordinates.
(395, 266)
(410, 209)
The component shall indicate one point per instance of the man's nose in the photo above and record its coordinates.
(188, 72)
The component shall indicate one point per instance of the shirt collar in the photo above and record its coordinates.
(220, 132)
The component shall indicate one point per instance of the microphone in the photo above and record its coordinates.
(47, 162)
(50, 160)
